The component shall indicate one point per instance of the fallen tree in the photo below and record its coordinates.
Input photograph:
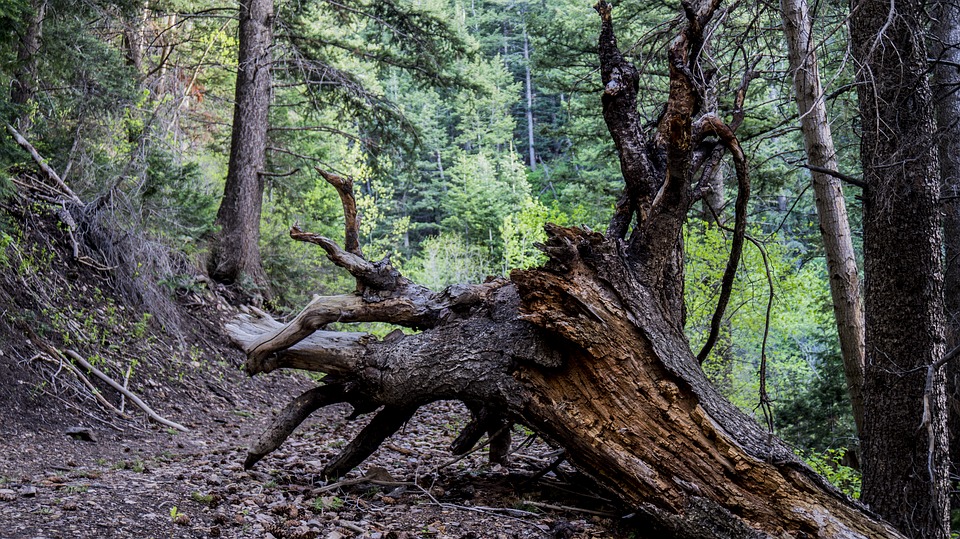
(587, 350)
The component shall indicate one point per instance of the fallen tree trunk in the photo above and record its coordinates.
(579, 352)
(588, 350)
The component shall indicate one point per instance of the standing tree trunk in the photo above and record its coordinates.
(529, 89)
(24, 85)
(133, 33)
(235, 253)
(588, 350)
(831, 206)
(944, 45)
(905, 470)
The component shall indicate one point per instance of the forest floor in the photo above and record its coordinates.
(129, 477)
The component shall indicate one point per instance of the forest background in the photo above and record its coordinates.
(466, 126)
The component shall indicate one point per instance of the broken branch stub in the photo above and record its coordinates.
(351, 219)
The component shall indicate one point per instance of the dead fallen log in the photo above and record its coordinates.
(588, 350)
(619, 389)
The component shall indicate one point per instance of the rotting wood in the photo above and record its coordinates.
(588, 350)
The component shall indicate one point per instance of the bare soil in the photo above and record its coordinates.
(134, 478)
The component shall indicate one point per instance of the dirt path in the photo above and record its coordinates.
(160, 484)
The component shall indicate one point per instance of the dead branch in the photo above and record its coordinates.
(133, 398)
(621, 83)
(379, 276)
(385, 423)
(344, 187)
(711, 124)
(291, 417)
(46, 168)
(62, 363)
(837, 174)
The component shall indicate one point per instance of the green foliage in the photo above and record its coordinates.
(8, 247)
(449, 259)
(11, 13)
(6, 186)
(324, 503)
(829, 463)
(522, 230)
(800, 313)
(180, 205)
(482, 192)
(819, 417)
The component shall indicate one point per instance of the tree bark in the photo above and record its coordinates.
(905, 472)
(944, 49)
(579, 351)
(828, 193)
(133, 34)
(588, 350)
(235, 252)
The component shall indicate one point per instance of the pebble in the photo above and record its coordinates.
(214, 480)
(7, 495)
(28, 491)
(81, 433)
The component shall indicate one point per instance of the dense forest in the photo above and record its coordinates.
(747, 164)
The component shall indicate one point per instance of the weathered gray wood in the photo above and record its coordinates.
(588, 350)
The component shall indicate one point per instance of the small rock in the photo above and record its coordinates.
(182, 519)
(334, 535)
(28, 491)
(80, 433)
(69, 506)
(214, 480)
(7, 495)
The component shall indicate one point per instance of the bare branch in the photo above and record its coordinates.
(417, 307)
(291, 417)
(620, 81)
(136, 400)
(46, 168)
(836, 174)
(711, 124)
(344, 187)
(322, 351)
(385, 423)
(378, 276)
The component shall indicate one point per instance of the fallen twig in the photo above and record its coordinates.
(52, 174)
(133, 398)
(69, 404)
(551, 507)
(126, 385)
(57, 359)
